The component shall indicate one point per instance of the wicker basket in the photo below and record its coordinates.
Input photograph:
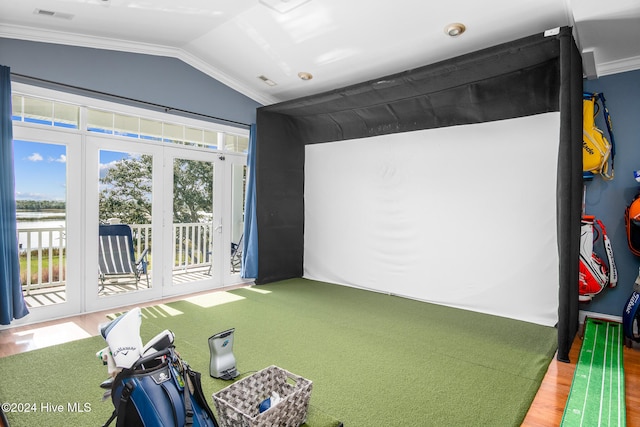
(238, 404)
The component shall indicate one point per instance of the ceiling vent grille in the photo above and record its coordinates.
(267, 80)
(53, 14)
(283, 6)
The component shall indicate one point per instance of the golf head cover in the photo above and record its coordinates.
(123, 337)
(161, 341)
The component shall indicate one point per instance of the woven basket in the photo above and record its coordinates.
(238, 405)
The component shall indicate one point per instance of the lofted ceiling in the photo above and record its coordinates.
(247, 44)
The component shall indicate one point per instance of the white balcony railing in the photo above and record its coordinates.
(43, 251)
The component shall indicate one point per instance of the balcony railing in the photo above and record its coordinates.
(43, 251)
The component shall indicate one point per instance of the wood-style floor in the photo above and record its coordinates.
(548, 405)
(546, 410)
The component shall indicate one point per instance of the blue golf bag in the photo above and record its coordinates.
(160, 390)
(631, 314)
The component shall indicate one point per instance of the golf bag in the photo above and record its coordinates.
(160, 390)
(153, 386)
(597, 152)
(595, 274)
(631, 314)
(632, 225)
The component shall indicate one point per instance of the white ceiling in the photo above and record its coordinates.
(340, 42)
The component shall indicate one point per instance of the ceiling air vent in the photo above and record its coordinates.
(267, 80)
(283, 6)
(53, 14)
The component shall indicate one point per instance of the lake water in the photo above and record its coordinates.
(35, 220)
(34, 216)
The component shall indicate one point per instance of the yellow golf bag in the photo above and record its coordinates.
(597, 151)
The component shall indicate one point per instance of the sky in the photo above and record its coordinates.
(40, 169)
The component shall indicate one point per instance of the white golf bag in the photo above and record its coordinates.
(595, 274)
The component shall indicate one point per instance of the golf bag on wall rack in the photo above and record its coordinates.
(597, 152)
(631, 312)
(595, 274)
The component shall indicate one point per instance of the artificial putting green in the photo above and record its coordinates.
(597, 391)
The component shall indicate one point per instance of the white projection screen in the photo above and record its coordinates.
(462, 216)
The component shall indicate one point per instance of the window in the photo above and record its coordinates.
(48, 112)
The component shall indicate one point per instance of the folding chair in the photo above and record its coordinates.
(236, 257)
(116, 258)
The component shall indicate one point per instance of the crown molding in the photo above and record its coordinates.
(71, 39)
(197, 63)
(620, 66)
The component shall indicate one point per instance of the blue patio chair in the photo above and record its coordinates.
(116, 258)
(236, 257)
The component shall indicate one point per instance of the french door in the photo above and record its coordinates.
(49, 237)
(185, 211)
(176, 185)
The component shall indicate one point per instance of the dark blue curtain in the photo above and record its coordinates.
(250, 249)
(12, 305)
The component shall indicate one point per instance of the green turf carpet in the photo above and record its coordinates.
(374, 359)
(597, 391)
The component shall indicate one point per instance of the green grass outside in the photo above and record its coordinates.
(55, 261)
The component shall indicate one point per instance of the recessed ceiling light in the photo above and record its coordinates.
(305, 76)
(455, 29)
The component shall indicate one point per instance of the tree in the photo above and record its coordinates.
(126, 192)
(127, 189)
(192, 190)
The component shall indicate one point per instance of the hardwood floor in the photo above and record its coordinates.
(32, 337)
(548, 406)
(546, 409)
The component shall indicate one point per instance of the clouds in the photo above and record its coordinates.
(105, 167)
(32, 196)
(37, 157)
(40, 170)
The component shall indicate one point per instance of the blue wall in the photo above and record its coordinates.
(156, 79)
(607, 200)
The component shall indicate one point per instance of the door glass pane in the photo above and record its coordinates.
(192, 220)
(238, 182)
(41, 174)
(124, 237)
